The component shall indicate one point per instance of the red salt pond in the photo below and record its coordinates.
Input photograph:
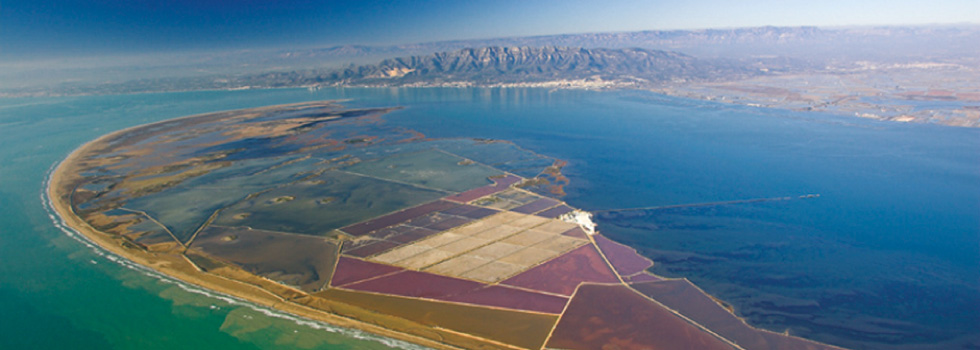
(470, 211)
(682, 296)
(480, 213)
(416, 284)
(642, 277)
(413, 235)
(512, 298)
(536, 206)
(555, 212)
(392, 280)
(364, 227)
(616, 317)
(390, 231)
(577, 233)
(448, 223)
(350, 270)
(369, 249)
(624, 259)
(562, 274)
(499, 185)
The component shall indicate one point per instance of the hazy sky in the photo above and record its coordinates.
(43, 28)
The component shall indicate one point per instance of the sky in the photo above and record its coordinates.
(50, 28)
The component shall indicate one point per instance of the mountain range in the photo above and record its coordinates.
(495, 65)
(623, 59)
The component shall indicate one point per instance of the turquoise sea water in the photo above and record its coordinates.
(887, 256)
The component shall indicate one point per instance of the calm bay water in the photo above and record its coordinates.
(887, 256)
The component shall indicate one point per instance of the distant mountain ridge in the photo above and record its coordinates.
(799, 42)
(697, 55)
(488, 65)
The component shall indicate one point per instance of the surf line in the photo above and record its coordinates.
(708, 204)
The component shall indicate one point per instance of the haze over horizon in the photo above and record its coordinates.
(46, 29)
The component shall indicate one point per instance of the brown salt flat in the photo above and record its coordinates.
(562, 274)
(615, 317)
(560, 244)
(401, 253)
(502, 218)
(350, 270)
(439, 240)
(493, 271)
(464, 244)
(528, 221)
(529, 256)
(556, 226)
(684, 297)
(425, 259)
(528, 237)
(498, 232)
(458, 265)
(416, 284)
(511, 298)
(624, 259)
(520, 329)
(496, 250)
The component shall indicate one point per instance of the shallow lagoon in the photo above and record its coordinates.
(890, 246)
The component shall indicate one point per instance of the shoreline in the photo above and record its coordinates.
(186, 272)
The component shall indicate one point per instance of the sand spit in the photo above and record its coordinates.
(59, 189)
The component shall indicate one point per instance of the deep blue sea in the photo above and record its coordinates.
(887, 257)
